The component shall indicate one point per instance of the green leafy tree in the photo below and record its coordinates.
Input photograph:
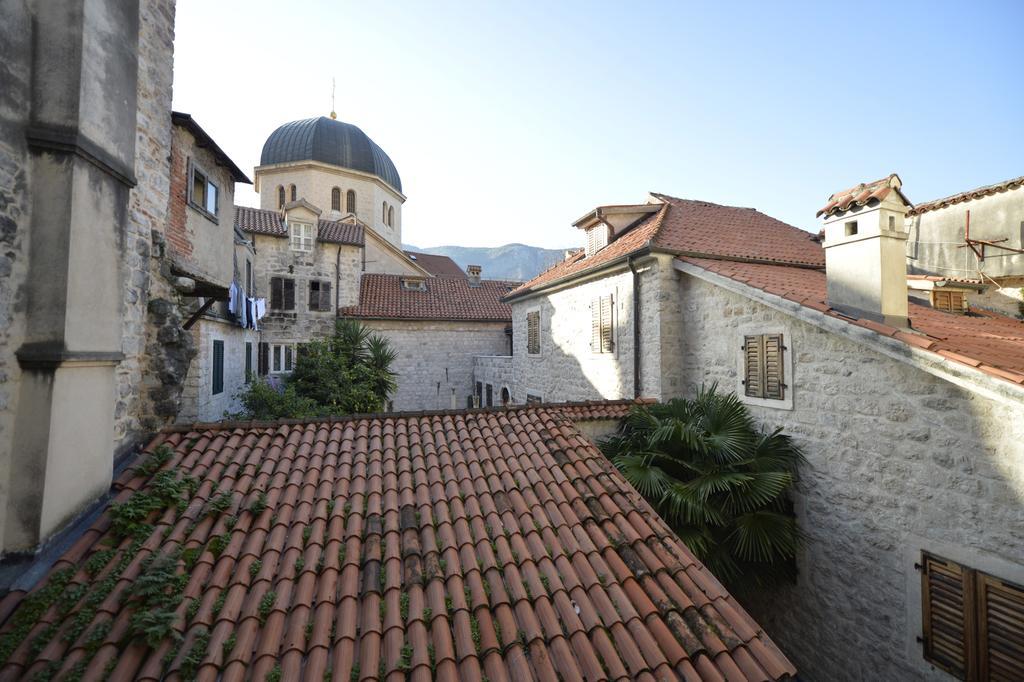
(346, 373)
(722, 483)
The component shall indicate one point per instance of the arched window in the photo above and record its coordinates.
(506, 397)
(335, 199)
(294, 196)
(350, 201)
(391, 216)
(280, 196)
(384, 212)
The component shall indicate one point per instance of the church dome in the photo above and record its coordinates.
(329, 141)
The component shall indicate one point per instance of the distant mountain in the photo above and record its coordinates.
(512, 261)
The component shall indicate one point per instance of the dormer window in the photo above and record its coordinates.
(414, 283)
(301, 236)
(597, 238)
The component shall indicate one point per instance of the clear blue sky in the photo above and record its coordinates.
(508, 120)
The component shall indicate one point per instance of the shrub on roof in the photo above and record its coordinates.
(348, 372)
(721, 482)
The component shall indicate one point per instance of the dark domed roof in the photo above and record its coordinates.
(329, 141)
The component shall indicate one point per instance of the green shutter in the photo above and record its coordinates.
(218, 367)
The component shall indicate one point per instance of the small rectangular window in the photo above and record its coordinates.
(601, 325)
(319, 295)
(202, 192)
(763, 375)
(301, 236)
(248, 277)
(490, 395)
(850, 228)
(533, 399)
(533, 332)
(282, 358)
(282, 293)
(249, 361)
(973, 622)
(218, 367)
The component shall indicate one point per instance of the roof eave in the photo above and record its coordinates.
(203, 139)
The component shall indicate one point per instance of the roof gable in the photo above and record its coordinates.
(268, 222)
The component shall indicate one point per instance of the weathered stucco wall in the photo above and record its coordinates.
(898, 461)
(435, 359)
(199, 402)
(935, 236)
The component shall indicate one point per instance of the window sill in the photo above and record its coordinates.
(203, 212)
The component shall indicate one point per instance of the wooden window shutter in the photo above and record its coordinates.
(595, 325)
(314, 295)
(248, 362)
(753, 367)
(263, 362)
(325, 296)
(289, 294)
(1000, 630)
(774, 385)
(533, 333)
(276, 293)
(945, 597)
(606, 324)
(218, 367)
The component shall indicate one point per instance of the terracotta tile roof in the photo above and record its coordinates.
(685, 226)
(862, 194)
(446, 298)
(265, 221)
(436, 264)
(991, 343)
(967, 196)
(498, 544)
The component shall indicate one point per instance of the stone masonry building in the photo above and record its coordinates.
(910, 414)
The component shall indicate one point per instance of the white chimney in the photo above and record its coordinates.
(473, 274)
(865, 251)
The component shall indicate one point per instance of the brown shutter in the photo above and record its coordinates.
(289, 294)
(753, 367)
(945, 596)
(263, 362)
(606, 324)
(1000, 630)
(774, 384)
(314, 295)
(595, 325)
(276, 293)
(325, 296)
(533, 333)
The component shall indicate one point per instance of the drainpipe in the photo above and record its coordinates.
(636, 327)
(337, 281)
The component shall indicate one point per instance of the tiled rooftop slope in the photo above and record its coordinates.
(495, 545)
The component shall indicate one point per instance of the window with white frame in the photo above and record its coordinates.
(301, 236)
(282, 358)
(202, 192)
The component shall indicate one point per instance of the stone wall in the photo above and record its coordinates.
(898, 461)
(435, 359)
(15, 97)
(567, 368)
(314, 182)
(496, 370)
(274, 258)
(145, 389)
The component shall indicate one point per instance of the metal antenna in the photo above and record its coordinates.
(334, 114)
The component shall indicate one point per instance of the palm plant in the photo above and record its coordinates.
(721, 482)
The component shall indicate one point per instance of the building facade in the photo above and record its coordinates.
(909, 412)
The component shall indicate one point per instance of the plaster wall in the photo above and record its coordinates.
(201, 243)
(935, 236)
(435, 359)
(202, 404)
(898, 461)
(314, 181)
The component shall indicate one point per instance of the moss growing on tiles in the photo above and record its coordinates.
(547, 583)
(307, 533)
(31, 609)
(218, 603)
(405, 660)
(274, 675)
(155, 596)
(403, 606)
(354, 675)
(228, 645)
(219, 504)
(259, 504)
(196, 653)
(474, 631)
(254, 568)
(160, 456)
(266, 605)
(217, 545)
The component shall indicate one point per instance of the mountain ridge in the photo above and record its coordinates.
(514, 261)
